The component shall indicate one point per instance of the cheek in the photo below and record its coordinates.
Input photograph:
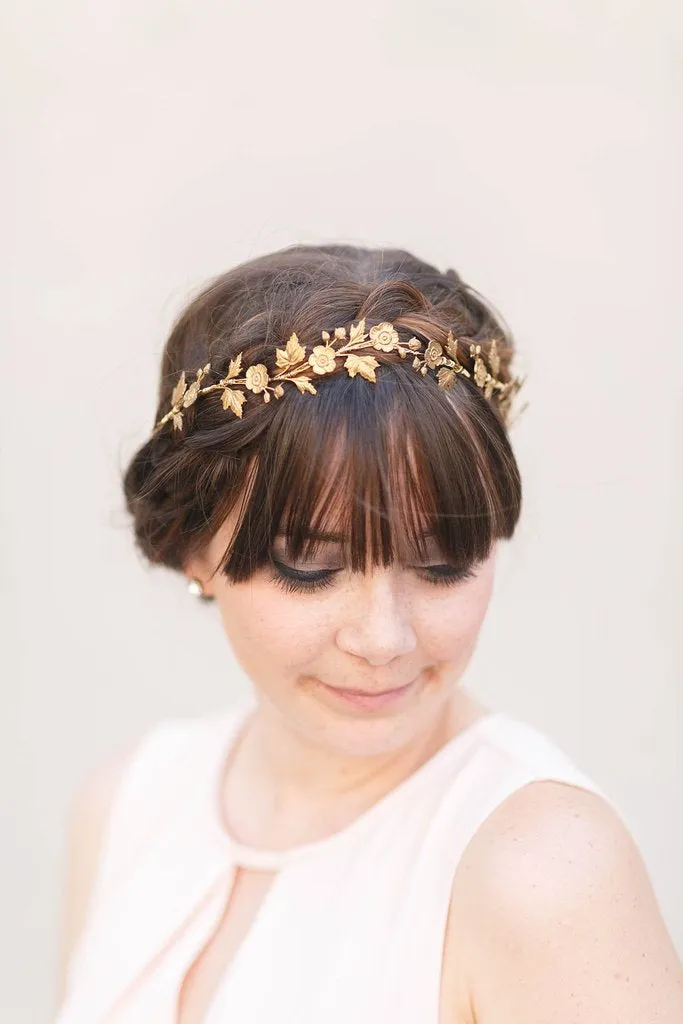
(275, 634)
(275, 631)
(447, 622)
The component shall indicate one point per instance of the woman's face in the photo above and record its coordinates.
(325, 647)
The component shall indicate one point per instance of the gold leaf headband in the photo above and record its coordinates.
(298, 367)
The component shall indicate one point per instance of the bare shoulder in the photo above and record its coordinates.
(88, 816)
(554, 917)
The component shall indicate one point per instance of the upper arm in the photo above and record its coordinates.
(561, 918)
(89, 813)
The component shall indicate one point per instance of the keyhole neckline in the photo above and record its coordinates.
(243, 855)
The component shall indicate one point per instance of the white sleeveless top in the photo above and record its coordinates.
(352, 928)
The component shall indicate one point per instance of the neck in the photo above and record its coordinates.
(282, 789)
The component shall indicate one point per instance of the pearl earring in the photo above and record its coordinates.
(195, 588)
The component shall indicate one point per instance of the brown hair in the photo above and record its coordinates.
(379, 464)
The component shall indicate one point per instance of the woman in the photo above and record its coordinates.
(361, 840)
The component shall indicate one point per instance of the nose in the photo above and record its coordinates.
(379, 627)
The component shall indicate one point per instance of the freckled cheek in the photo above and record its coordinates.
(447, 627)
(277, 632)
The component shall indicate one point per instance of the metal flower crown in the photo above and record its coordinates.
(299, 367)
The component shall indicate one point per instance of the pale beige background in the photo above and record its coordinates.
(534, 146)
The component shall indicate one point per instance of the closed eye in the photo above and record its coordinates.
(299, 581)
(447, 574)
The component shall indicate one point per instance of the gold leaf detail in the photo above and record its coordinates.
(190, 396)
(235, 367)
(292, 353)
(480, 371)
(233, 400)
(304, 385)
(177, 420)
(384, 336)
(357, 333)
(364, 365)
(257, 378)
(452, 346)
(178, 390)
(488, 390)
(322, 359)
(446, 378)
(494, 358)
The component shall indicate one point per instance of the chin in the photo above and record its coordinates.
(361, 726)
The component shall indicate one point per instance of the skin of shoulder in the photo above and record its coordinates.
(554, 917)
(88, 815)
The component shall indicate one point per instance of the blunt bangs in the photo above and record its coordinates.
(378, 468)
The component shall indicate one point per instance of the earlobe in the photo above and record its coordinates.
(199, 589)
(198, 583)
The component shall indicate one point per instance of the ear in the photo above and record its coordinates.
(203, 564)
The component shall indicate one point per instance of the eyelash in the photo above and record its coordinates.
(296, 581)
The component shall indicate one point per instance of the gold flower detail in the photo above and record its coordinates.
(433, 354)
(322, 359)
(257, 378)
(384, 336)
(293, 361)
(339, 334)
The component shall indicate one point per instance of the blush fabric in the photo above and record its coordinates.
(351, 929)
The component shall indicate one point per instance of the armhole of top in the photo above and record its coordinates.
(140, 799)
(540, 758)
(144, 794)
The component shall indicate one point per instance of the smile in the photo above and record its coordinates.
(370, 701)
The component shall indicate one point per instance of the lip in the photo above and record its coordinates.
(373, 701)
